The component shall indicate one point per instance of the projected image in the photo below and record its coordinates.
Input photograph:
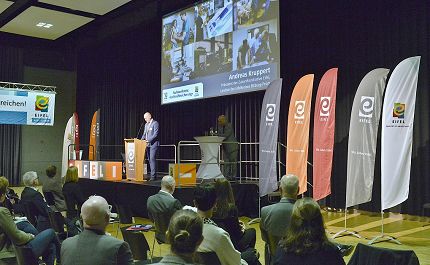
(213, 56)
(219, 47)
(178, 30)
(256, 45)
(248, 12)
(213, 18)
(178, 64)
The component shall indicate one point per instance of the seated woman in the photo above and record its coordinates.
(306, 241)
(45, 243)
(53, 183)
(184, 236)
(72, 193)
(227, 217)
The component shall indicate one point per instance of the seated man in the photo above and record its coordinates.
(92, 246)
(45, 244)
(163, 205)
(215, 239)
(32, 197)
(275, 218)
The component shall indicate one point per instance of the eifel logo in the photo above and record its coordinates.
(366, 107)
(325, 106)
(270, 112)
(399, 110)
(299, 114)
(41, 104)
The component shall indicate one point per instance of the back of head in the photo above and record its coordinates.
(185, 232)
(168, 183)
(51, 171)
(95, 213)
(28, 178)
(306, 233)
(71, 175)
(225, 197)
(4, 183)
(289, 185)
(205, 196)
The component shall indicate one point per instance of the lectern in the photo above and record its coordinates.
(134, 158)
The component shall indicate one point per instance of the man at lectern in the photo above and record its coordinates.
(150, 135)
(230, 148)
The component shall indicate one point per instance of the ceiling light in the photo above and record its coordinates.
(44, 25)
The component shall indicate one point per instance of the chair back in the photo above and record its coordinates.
(138, 245)
(207, 258)
(25, 256)
(29, 214)
(161, 221)
(368, 255)
(57, 221)
(49, 197)
(125, 213)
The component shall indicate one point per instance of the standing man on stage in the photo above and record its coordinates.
(230, 149)
(150, 135)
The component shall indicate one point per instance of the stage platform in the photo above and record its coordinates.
(135, 194)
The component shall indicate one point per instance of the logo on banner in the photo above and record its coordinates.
(270, 114)
(366, 109)
(299, 114)
(41, 104)
(325, 106)
(399, 110)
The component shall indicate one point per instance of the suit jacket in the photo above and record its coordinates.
(161, 207)
(74, 199)
(228, 133)
(151, 133)
(327, 255)
(275, 218)
(38, 206)
(93, 247)
(9, 234)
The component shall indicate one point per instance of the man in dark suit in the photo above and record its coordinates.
(31, 197)
(230, 147)
(150, 135)
(92, 246)
(162, 206)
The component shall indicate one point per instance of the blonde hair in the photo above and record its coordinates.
(4, 183)
(71, 175)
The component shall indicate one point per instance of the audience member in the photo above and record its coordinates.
(72, 193)
(226, 216)
(54, 184)
(45, 244)
(306, 241)
(184, 236)
(216, 239)
(163, 204)
(93, 246)
(275, 218)
(33, 198)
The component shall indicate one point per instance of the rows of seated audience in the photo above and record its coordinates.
(209, 232)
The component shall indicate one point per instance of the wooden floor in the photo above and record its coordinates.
(412, 232)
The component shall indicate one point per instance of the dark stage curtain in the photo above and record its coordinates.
(11, 70)
(122, 77)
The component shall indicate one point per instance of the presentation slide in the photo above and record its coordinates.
(219, 47)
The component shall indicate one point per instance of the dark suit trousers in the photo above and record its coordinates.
(151, 152)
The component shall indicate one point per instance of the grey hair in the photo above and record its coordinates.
(168, 182)
(289, 184)
(28, 178)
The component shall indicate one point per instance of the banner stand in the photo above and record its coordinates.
(383, 236)
(345, 231)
